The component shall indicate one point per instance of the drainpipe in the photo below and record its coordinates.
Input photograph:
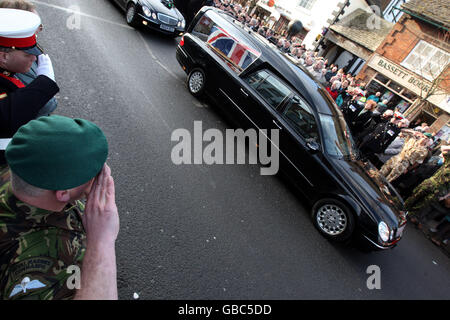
(421, 18)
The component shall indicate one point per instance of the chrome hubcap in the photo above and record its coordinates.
(331, 219)
(130, 14)
(196, 82)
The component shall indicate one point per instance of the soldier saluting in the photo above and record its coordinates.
(18, 50)
(45, 230)
(383, 135)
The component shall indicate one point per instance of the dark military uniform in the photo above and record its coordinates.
(361, 121)
(381, 137)
(20, 104)
(350, 110)
(37, 246)
(435, 187)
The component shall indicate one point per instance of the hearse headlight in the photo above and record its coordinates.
(154, 17)
(183, 23)
(383, 231)
(147, 11)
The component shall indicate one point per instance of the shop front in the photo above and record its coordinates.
(408, 93)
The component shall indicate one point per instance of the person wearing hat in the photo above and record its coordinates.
(362, 118)
(436, 187)
(381, 137)
(413, 153)
(18, 50)
(31, 75)
(45, 229)
(375, 120)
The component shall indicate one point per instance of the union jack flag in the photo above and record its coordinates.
(238, 54)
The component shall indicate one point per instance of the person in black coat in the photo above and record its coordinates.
(189, 8)
(381, 137)
(374, 121)
(351, 108)
(362, 119)
(20, 104)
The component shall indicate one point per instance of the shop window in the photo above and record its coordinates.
(387, 95)
(444, 133)
(402, 106)
(426, 117)
(374, 87)
(307, 4)
(395, 86)
(409, 94)
(426, 60)
(382, 78)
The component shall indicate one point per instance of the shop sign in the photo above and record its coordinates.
(406, 79)
(400, 75)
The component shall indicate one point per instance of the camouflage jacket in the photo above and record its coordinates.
(37, 247)
(435, 187)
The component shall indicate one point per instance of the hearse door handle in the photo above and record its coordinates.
(244, 93)
(277, 124)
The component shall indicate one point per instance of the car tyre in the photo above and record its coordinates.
(196, 82)
(131, 15)
(333, 219)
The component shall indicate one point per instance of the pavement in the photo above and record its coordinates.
(199, 231)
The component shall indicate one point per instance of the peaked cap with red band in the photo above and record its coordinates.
(18, 30)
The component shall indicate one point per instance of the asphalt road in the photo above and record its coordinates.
(198, 231)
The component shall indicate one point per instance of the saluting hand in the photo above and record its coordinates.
(101, 218)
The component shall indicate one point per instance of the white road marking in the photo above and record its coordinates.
(117, 24)
(150, 52)
(82, 14)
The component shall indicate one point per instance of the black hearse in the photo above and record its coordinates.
(247, 77)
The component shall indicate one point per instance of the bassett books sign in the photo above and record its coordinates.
(406, 78)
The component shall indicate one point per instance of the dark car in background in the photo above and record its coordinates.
(160, 15)
(261, 88)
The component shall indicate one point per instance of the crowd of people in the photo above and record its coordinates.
(408, 155)
(46, 169)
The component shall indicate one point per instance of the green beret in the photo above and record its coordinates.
(57, 153)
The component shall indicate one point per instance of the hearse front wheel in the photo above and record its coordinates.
(333, 219)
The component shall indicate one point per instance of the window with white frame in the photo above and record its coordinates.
(427, 60)
(307, 4)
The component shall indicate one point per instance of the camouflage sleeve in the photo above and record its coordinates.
(40, 269)
(39, 285)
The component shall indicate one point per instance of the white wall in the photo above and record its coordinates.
(316, 18)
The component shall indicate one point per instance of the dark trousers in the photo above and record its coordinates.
(432, 212)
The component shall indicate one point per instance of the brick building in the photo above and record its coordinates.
(411, 66)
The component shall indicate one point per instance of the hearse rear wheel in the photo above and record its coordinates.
(196, 82)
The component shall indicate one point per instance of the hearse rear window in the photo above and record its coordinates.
(223, 38)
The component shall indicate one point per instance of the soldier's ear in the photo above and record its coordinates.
(3, 58)
(63, 195)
